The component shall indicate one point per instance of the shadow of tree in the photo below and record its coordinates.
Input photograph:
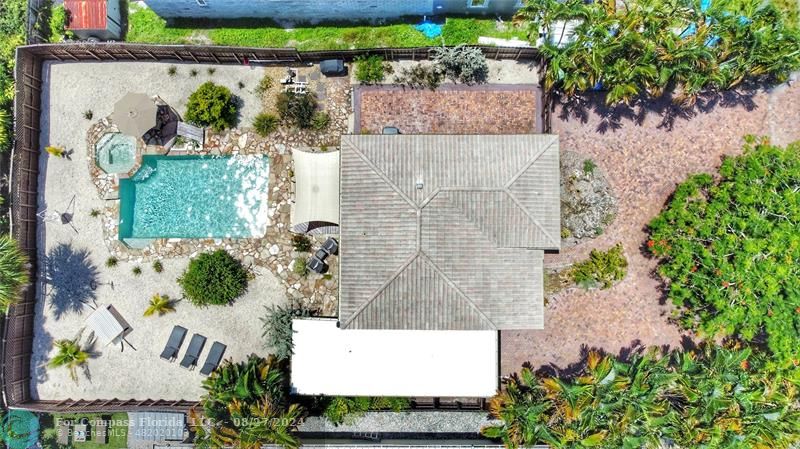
(70, 278)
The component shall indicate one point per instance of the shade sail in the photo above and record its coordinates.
(106, 324)
(316, 200)
(134, 114)
(338, 362)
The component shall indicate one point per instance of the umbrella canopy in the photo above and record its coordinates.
(135, 114)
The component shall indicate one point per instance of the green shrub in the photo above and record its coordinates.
(213, 278)
(59, 19)
(729, 249)
(193, 73)
(14, 267)
(211, 105)
(320, 121)
(420, 76)
(264, 85)
(297, 109)
(137, 271)
(589, 166)
(94, 213)
(112, 262)
(300, 266)
(158, 267)
(602, 269)
(277, 325)
(88, 114)
(301, 243)
(265, 124)
(172, 70)
(342, 409)
(371, 69)
(464, 64)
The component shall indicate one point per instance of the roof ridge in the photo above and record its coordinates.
(452, 284)
(528, 165)
(532, 218)
(378, 171)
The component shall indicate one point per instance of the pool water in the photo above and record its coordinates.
(115, 153)
(195, 197)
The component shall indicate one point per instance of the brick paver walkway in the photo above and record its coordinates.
(450, 109)
(643, 162)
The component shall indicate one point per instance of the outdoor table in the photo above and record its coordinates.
(107, 324)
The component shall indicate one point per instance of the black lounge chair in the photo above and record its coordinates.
(214, 357)
(331, 246)
(321, 254)
(193, 351)
(174, 343)
(316, 265)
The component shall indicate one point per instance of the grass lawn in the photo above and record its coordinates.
(117, 430)
(146, 27)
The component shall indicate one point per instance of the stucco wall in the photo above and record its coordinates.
(292, 10)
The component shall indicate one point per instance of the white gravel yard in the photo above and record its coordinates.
(74, 260)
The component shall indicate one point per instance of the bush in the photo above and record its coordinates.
(158, 267)
(300, 267)
(420, 76)
(297, 109)
(264, 85)
(112, 262)
(213, 278)
(265, 124)
(602, 269)
(212, 105)
(464, 64)
(371, 69)
(59, 19)
(341, 409)
(301, 243)
(277, 325)
(730, 249)
(320, 121)
(14, 267)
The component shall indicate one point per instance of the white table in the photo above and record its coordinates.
(107, 324)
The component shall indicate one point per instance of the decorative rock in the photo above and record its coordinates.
(274, 250)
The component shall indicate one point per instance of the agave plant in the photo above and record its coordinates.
(14, 268)
(70, 355)
(159, 304)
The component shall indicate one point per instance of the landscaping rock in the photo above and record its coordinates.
(587, 201)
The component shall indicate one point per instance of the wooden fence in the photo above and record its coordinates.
(18, 328)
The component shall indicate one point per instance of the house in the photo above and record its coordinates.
(314, 11)
(442, 245)
(94, 19)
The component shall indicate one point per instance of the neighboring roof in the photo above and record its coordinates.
(87, 14)
(335, 362)
(156, 426)
(446, 232)
(316, 197)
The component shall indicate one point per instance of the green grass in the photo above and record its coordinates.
(117, 430)
(147, 27)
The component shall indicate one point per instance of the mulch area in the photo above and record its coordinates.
(644, 156)
(450, 109)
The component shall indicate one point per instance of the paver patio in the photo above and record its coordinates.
(643, 162)
(450, 109)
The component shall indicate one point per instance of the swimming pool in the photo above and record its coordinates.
(115, 153)
(195, 197)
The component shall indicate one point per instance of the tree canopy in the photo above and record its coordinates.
(651, 46)
(212, 105)
(730, 249)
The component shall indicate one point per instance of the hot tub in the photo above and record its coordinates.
(115, 153)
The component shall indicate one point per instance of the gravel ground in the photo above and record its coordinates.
(500, 72)
(74, 259)
(404, 422)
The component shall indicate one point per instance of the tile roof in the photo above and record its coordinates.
(445, 231)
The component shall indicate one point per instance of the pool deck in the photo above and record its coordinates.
(74, 259)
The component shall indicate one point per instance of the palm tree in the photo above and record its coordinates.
(14, 269)
(159, 304)
(70, 355)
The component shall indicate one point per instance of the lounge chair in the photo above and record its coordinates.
(214, 357)
(62, 435)
(331, 246)
(174, 343)
(321, 254)
(193, 351)
(316, 265)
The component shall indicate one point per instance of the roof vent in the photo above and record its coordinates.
(419, 184)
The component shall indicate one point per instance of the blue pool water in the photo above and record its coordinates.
(115, 153)
(195, 197)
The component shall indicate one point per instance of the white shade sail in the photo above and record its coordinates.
(339, 362)
(316, 199)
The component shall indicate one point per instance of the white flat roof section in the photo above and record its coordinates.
(336, 362)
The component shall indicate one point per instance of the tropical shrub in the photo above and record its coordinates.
(297, 108)
(158, 267)
(213, 278)
(245, 407)
(651, 46)
(212, 105)
(14, 268)
(300, 266)
(59, 19)
(371, 69)
(730, 249)
(343, 409)
(602, 269)
(710, 398)
(420, 76)
(264, 85)
(320, 121)
(159, 304)
(70, 355)
(463, 64)
(112, 262)
(265, 124)
(277, 325)
(301, 243)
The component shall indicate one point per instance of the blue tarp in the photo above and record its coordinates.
(429, 29)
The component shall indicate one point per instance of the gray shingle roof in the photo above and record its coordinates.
(446, 232)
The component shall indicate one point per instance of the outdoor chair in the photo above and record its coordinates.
(193, 351)
(214, 357)
(321, 254)
(174, 343)
(331, 246)
(316, 265)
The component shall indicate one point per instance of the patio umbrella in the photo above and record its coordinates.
(135, 114)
